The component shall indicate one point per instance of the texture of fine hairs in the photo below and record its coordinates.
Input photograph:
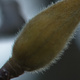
(43, 40)
(66, 45)
(44, 8)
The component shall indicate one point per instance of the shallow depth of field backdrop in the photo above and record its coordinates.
(13, 15)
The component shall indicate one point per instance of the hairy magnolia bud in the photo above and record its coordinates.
(44, 37)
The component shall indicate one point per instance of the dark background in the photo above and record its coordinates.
(67, 68)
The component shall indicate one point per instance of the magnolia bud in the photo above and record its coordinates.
(44, 37)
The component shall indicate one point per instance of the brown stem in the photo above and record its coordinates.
(10, 70)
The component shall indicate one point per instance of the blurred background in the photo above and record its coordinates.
(13, 15)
